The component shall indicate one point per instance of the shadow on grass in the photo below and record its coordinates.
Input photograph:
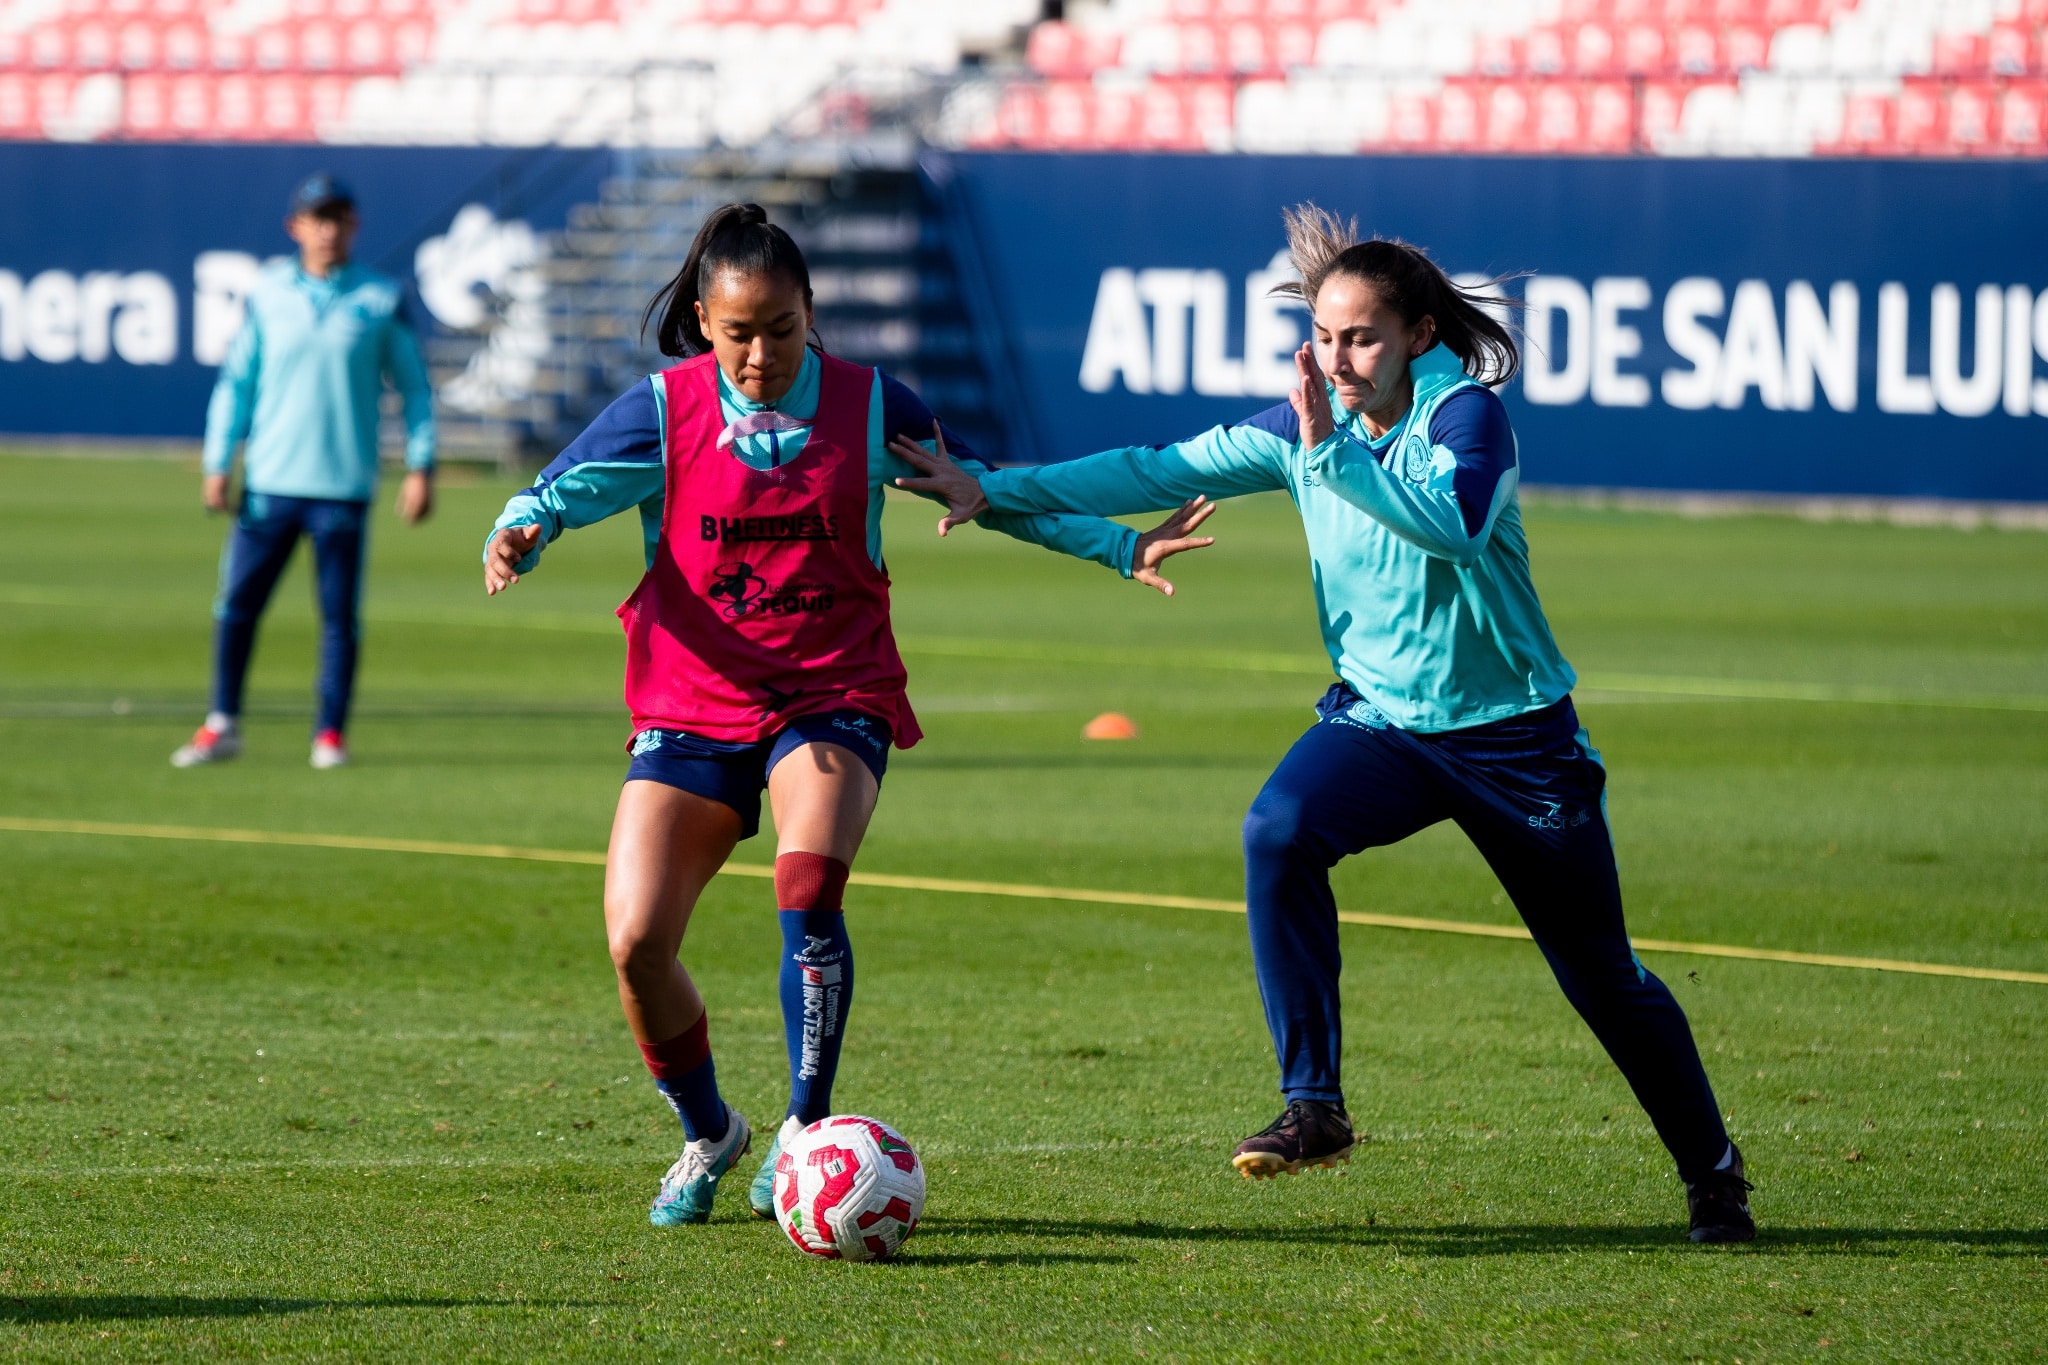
(1482, 1239)
(111, 1307)
(915, 1258)
(1100, 758)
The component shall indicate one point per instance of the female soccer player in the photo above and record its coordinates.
(759, 653)
(1452, 700)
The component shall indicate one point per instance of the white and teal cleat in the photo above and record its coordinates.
(692, 1183)
(761, 1194)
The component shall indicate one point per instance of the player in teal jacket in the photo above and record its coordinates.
(299, 391)
(1452, 700)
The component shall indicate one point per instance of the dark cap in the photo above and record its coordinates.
(320, 193)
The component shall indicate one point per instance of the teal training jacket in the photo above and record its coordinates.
(1420, 565)
(302, 381)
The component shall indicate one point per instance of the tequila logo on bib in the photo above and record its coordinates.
(740, 591)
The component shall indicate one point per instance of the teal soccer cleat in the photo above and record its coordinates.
(692, 1183)
(761, 1194)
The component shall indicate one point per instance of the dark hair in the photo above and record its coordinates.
(735, 237)
(1407, 281)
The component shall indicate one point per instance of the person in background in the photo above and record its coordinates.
(300, 388)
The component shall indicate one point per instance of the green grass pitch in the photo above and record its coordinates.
(319, 1104)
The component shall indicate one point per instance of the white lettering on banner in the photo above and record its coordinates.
(1171, 294)
(1977, 395)
(1820, 345)
(1614, 342)
(1543, 379)
(1118, 341)
(1271, 336)
(1684, 305)
(1897, 391)
(1165, 331)
(1216, 374)
(221, 284)
(1751, 354)
(58, 317)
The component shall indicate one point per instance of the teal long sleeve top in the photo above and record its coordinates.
(618, 463)
(1418, 558)
(303, 378)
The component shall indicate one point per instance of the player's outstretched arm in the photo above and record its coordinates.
(960, 490)
(504, 554)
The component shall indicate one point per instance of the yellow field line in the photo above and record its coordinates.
(952, 886)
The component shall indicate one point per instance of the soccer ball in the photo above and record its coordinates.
(848, 1188)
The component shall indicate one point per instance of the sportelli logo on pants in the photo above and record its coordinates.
(823, 986)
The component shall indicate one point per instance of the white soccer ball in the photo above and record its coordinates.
(848, 1188)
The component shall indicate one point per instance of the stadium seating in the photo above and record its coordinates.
(1595, 77)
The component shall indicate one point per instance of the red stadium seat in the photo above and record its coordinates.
(1545, 52)
(1244, 49)
(1917, 119)
(1069, 113)
(283, 110)
(1610, 117)
(1867, 121)
(1054, 50)
(189, 106)
(1119, 121)
(1290, 45)
(411, 41)
(2010, 50)
(138, 45)
(18, 106)
(92, 46)
(1744, 47)
(184, 45)
(1201, 50)
(1209, 113)
(227, 50)
(327, 102)
(1020, 117)
(367, 47)
(235, 113)
(1968, 122)
(1645, 51)
(275, 47)
(1163, 118)
(1962, 56)
(1696, 51)
(1594, 51)
(1460, 117)
(1509, 117)
(1662, 112)
(2020, 126)
(1497, 54)
(1560, 117)
(320, 46)
(1411, 121)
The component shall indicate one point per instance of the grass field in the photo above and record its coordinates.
(294, 1102)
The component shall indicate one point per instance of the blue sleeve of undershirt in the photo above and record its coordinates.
(1450, 513)
(614, 465)
(905, 414)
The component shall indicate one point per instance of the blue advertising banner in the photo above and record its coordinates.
(1851, 327)
(123, 267)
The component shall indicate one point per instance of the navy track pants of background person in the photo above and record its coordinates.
(1529, 793)
(266, 532)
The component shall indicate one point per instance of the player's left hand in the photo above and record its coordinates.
(942, 478)
(1169, 538)
(1311, 399)
(416, 497)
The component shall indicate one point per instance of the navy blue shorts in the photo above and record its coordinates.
(735, 773)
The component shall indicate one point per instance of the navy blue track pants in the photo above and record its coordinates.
(1529, 793)
(266, 532)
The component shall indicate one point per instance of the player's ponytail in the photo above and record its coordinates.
(735, 237)
(1406, 280)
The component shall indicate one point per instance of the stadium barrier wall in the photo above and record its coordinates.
(1874, 328)
(123, 268)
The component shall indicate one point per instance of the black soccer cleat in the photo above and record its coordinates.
(1719, 1202)
(1309, 1133)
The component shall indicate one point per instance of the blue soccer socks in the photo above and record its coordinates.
(816, 978)
(688, 1079)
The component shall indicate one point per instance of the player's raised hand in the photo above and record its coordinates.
(1311, 398)
(501, 560)
(943, 479)
(1169, 538)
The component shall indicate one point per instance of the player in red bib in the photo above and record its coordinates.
(759, 652)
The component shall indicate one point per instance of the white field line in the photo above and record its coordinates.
(954, 886)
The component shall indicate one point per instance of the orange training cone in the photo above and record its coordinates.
(1110, 725)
